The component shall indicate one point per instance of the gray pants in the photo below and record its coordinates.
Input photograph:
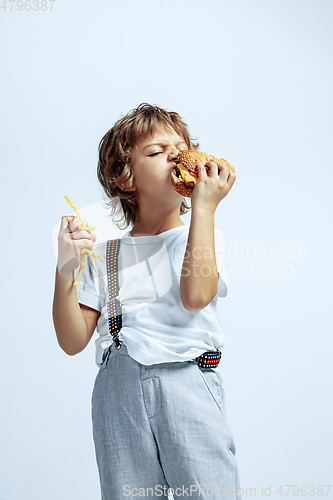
(162, 427)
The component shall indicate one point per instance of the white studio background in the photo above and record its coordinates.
(253, 80)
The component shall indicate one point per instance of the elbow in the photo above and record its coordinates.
(186, 301)
(70, 350)
(196, 296)
(193, 306)
(71, 353)
(197, 303)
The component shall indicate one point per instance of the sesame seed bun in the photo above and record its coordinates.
(185, 174)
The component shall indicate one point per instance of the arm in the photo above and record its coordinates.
(198, 282)
(199, 277)
(74, 323)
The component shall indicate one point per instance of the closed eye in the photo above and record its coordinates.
(154, 154)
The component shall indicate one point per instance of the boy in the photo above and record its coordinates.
(158, 417)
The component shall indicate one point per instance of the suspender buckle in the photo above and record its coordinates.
(117, 342)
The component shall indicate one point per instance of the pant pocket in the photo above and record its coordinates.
(213, 385)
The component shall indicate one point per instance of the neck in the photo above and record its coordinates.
(153, 222)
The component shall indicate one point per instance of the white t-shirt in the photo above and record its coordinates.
(156, 328)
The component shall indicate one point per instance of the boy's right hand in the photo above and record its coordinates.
(71, 240)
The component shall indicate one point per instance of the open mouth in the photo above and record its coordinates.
(176, 173)
(184, 176)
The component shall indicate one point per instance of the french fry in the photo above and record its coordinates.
(82, 266)
(74, 207)
(92, 253)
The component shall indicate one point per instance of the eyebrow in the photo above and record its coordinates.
(162, 144)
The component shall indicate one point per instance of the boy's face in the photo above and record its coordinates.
(152, 163)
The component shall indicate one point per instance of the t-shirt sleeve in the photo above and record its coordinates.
(87, 289)
(221, 263)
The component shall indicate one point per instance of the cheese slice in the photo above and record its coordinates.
(186, 174)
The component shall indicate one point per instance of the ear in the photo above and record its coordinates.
(131, 188)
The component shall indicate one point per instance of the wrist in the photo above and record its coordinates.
(203, 210)
(65, 275)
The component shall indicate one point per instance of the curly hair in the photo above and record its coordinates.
(114, 170)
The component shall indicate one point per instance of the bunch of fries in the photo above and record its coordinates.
(92, 253)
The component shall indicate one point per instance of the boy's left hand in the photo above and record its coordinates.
(212, 187)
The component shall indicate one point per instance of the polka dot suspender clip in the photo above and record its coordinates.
(209, 359)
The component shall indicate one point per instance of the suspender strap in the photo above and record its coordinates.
(114, 305)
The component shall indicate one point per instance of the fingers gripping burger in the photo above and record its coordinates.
(185, 174)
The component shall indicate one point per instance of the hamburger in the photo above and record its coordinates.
(185, 174)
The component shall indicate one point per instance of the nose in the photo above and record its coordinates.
(173, 154)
